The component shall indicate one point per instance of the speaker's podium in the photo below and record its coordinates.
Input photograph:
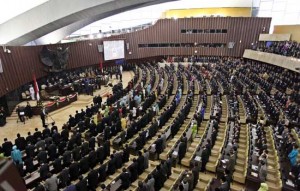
(10, 180)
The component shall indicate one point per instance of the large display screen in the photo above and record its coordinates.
(113, 49)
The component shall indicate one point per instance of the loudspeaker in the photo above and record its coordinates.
(100, 48)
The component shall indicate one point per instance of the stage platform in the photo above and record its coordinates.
(60, 116)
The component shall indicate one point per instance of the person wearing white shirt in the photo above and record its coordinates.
(31, 90)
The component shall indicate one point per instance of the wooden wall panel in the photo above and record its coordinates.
(23, 62)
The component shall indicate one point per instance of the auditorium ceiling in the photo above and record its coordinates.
(35, 22)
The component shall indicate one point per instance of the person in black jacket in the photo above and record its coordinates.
(29, 165)
(76, 152)
(118, 159)
(52, 151)
(29, 150)
(126, 153)
(82, 184)
(64, 178)
(46, 132)
(84, 165)
(107, 148)
(30, 138)
(125, 178)
(133, 168)
(92, 159)
(111, 165)
(57, 165)
(44, 170)
(181, 150)
(84, 148)
(7, 147)
(67, 156)
(102, 172)
(159, 145)
(92, 143)
(20, 142)
(93, 179)
(140, 163)
(65, 134)
(100, 154)
(42, 156)
(74, 170)
(37, 134)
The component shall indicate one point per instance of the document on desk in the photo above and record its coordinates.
(197, 158)
(290, 183)
(254, 167)
(254, 174)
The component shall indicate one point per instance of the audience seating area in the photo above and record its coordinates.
(229, 123)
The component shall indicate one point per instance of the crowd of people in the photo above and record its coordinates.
(285, 48)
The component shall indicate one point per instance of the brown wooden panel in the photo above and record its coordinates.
(20, 65)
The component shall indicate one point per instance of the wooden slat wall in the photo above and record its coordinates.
(20, 65)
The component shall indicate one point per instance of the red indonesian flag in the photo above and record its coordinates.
(36, 88)
(101, 65)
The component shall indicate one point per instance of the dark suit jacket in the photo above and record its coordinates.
(52, 151)
(44, 170)
(84, 165)
(7, 148)
(30, 139)
(125, 178)
(29, 165)
(57, 165)
(92, 142)
(93, 179)
(21, 143)
(100, 154)
(102, 172)
(29, 150)
(37, 134)
(64, 177)
(46, 132)
(65, 134)
(76, 153)
(42, 157)
(82, 185)
(92, 159)
(74, 170)
(67, 156)
(111, 166)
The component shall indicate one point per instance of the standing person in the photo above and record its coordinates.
(43, 116)
(16, 155)
(2, 117)
(51, 183)
(31, 90)
(293, 155)
(262, 171)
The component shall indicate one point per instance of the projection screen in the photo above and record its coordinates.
(114, 49)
